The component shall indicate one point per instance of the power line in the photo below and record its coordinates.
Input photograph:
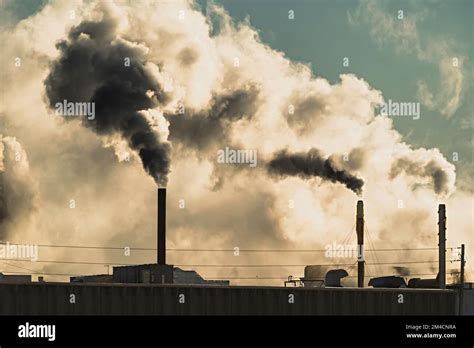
(209, 277)
(179, 265)
(204, 250)
(351, 268)
(372, 246)
(220, 265)
(349, 235)
(410, 275)
(45, 273)
(400, 263)
(76, 262)
(9, 264)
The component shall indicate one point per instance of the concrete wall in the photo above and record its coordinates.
(138, 299)
(468, 308)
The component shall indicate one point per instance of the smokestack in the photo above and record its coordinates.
(360, 243)
(442, 245)
(161, 227)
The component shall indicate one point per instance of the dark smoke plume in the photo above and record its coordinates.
(206, 128)
(91, 68)
(401, 271)
(432, 170)
(311, 164)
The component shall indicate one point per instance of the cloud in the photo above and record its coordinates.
(18, 191)
(234, 91)
(429, 164)
(386, 28)
(209, 128)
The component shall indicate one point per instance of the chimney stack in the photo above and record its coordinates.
(161, 227)
(360, 243)
(442, 245)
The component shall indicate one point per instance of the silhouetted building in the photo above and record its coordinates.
(15, 278)
(98, 278)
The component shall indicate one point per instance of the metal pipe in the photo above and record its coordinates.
(161, 227)
(360, 243)
(442, 246)
(461, 292)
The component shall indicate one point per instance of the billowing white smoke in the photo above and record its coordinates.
(230, 89)
(428, 165)
(17, 189)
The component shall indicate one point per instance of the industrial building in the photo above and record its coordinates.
(150, 299)
(162, 289)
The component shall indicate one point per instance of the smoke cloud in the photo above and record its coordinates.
(182, 98)
(430, 167)
(17, 189)
(205, 129)
(98, 67)
(402, 271)
(312, 164)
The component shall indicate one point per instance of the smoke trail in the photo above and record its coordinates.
(428, 165)
(311, 164)
(401, 271)
(205, 128)
(93, 68)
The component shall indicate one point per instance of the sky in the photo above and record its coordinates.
(322, 34)
(263, 76)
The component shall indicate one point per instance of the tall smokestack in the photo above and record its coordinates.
(161, 238)
(360, 243)
(442, 245)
